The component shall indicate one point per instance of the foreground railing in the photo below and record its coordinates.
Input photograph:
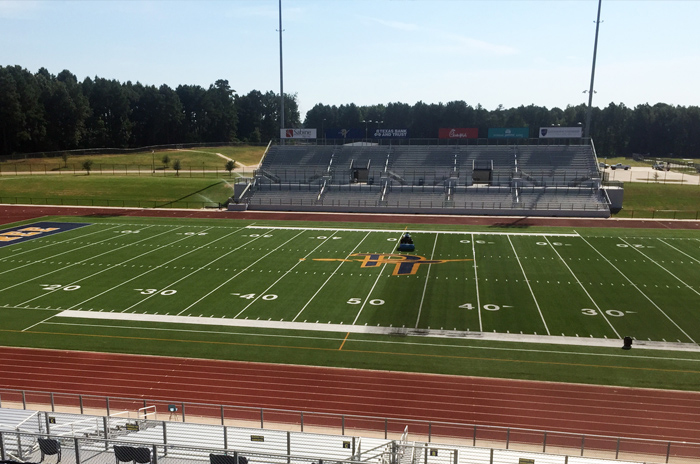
(589, 445)
(27, 447)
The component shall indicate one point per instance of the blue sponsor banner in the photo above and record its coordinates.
(389, 134)
(509, 133)
(40, 229)
(345, 133)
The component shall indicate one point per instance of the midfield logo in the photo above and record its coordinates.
(403, 264)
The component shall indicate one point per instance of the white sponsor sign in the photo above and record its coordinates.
(297, 133)
(560, 132)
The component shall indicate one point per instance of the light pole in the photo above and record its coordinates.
(323, 133)
(366, 122)
(281, 75)
(587, 129)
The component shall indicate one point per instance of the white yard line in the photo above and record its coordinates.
(425, 287)
(367, 329)
(48, 292)
(680, 251)
(600, 311)
(392, 231)
(193, 272)
(74, 264)
(638, 289)
(527, 281)
(669, 272)
(381, 271)
(40, 322)
(240, 272)
(53, 244)
(284, 275)
(330, 277)
(146, 272)
(476, 283)
(62, 253)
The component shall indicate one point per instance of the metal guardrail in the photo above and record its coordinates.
(77, 450)
(659, 214)
(105, 169)
(587, 444)
(109, 151)
(113, 203)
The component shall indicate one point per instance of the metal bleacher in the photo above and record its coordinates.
(169, 442)
(545, 180)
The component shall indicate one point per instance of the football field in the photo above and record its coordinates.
(343, 279)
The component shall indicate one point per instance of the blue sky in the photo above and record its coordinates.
(513, 53)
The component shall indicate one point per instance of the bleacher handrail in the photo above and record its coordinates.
(17, 427)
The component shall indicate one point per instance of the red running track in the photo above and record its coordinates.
(14, 213)
(582, 409)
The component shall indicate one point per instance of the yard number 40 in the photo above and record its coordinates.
(487, 307)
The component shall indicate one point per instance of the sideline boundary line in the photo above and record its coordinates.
(366, 329)
(371, 341)
(398, 231)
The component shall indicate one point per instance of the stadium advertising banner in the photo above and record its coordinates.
(345, 133)
(297, 133)
(509, 133)
(561, 132)
(458, 133)
(390, 134)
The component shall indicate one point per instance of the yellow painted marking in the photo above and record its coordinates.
(342, 344)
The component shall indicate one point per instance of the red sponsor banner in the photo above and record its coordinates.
(458, 133)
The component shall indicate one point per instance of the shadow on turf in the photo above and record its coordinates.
(518, 223)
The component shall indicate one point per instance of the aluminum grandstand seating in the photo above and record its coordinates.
(382, 178)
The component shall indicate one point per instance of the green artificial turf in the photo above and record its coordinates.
(582, 286)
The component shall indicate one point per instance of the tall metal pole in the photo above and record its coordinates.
(587, 132)
(281, 77)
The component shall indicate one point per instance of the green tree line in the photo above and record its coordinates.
(46, 112)
(43, 112)
(617, 130)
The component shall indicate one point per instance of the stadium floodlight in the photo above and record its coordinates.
(587, 128)
(366, 122)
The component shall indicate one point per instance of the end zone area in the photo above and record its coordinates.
(541, 303)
